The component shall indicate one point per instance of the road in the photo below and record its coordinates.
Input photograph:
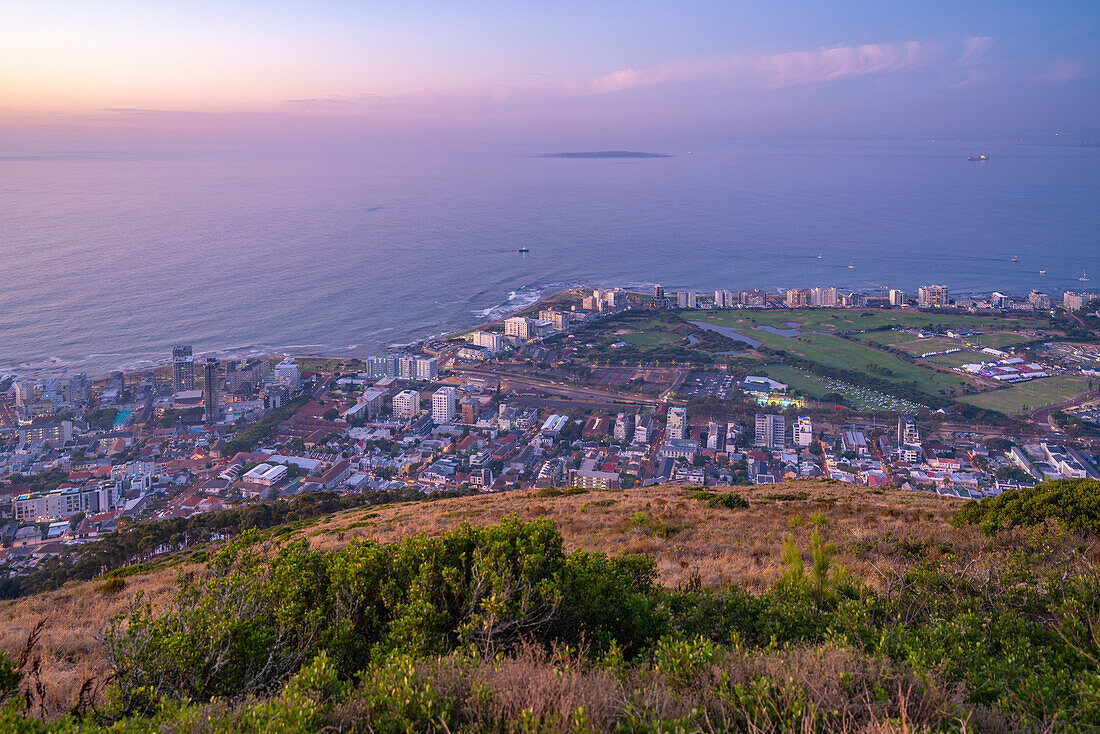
(1041, 417)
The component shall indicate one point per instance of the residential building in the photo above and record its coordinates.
(210, 396)
(824, 297)
(803, 431)
(1039, 300)
(471, 411)
(686, 299)
(677, 423)
(643, 429)
(770, 431)
(658, 293)
(288, 373)
(907, 431)
(78, 388)
(56, 432)
(373, 400)
(724, 299)
(897, 298)
(716, 436)
(378, 367)
(491, 340)
(443, 405)
(427, 369)
(624, 427)
(587, 479)
(933, 296)
(678, 448)
(183, 369)
(528, 329)
(559, 320)
(1076, 301)
(798, 298)
(754, 298)
(406, 404)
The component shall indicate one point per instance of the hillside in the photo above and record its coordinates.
(696, 542)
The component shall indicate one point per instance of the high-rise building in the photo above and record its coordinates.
(897, 298)
(406, 404)
(24, 393)
(724, 299)
(1039, 300)
(427, 369)
(559, 319)
(798, 298)
(183, 369)
(803, 431)
(658, 292)
(288, 373)
(770, 431)
(686, 299)
(210, 403)
(491, 340)
(823, 297)
(78, 388)
(754, 298)
(716, 436)
(677, 423)
(1076, 301)
(933, 296)
(443, 405)
(907, 431)
(379, 367)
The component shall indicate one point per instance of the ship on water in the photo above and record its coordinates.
(981, 157)
(524, 250)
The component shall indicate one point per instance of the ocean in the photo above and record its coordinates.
(112, 255)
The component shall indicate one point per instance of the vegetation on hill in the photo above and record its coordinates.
(502, 627)
(1073, 502)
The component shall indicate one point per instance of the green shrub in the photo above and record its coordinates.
(1073, 502)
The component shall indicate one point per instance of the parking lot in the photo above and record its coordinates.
(709, 384)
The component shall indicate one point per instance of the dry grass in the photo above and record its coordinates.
(719, 545)
(875, 535)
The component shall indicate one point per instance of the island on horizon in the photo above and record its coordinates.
(605, 154)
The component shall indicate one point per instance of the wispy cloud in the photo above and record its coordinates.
(1061, 71)
(773, 71)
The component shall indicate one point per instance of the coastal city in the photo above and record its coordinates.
(587, 390)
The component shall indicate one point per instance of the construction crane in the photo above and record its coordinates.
(881, 289)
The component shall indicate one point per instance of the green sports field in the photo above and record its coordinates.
(833, 351)
(1029, 396)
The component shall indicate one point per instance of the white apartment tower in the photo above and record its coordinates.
(677, 423)
(803, 432)
(406, 404)
(443, 405)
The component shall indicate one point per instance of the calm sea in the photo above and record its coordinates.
(112, 256)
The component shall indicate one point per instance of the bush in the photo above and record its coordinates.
(1073, 502)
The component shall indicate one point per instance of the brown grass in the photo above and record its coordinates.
(875, 535)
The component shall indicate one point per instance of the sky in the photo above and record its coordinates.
(561, 69)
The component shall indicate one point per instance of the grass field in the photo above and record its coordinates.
(957, 359)
(1001, 339)
(833, 320)
(923, 346)
(1030, 396)
(859, 398)
(651, 338)
(832, 351)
